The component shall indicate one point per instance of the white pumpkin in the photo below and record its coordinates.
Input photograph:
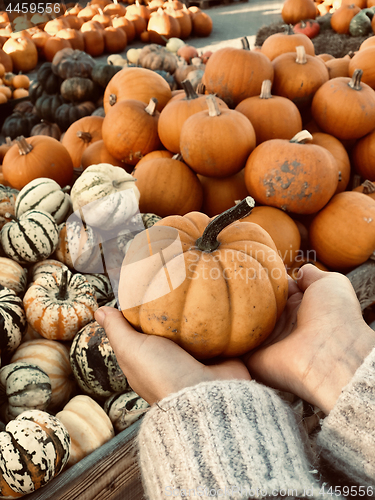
(31, 238)
(124, 409)
(105, 196)
(26, 387)
(88, 425)
(44, 194)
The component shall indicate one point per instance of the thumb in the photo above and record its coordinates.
(307, 275)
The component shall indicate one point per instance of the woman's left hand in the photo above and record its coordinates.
(155, 366)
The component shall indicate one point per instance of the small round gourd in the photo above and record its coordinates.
(57, 306)
(35, 448)
(102, 287)
(12, 275)
(124, 409)
(26, 386)
(12, 320)
(94, 363)
(47, 266)
(44, 194)
(31, 238)
(88, 425)
(109, 191)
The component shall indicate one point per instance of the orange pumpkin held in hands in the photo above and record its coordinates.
(229, 286)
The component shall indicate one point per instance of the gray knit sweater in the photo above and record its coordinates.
(239, 439)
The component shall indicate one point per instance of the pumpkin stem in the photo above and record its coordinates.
(213, 108)
(265, 91)
(301, 55)
(10, 216)
(368, 187)
(66, 189)
(288, 29)
(201, 88)
(112, 99)
(301, 137)
(189, 90)
(151, 106)
(8, 141)
(23, 146)
(245, 43)
(85, 136)
(63, 288)
(208, 241)
(177, 157)
(355, 82)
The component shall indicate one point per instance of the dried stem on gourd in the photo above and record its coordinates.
(100, 11)
(189, 90)
(151, 106)
(24, 147)
(112, 99)
(208, 241)
(10, 216)
(177, 157)
(85, 136)
(213, 107)
(66, 189)
(201, 88)
(355, 82)
(8, 141)
(301, 137)
(63, 287)
(265, 91)
(368, 187)
(245, 43)
(301, 55)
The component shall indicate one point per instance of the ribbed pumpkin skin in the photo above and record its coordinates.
(12, 320)
(331, 232)
(210, 313)
(205, 141)
(27, 387)
(235, 74)
(12, 275)
(125, 409)
(44, 194)
(88, 425)
(280, 43)
(53, 358)
(35, 448)
(102, 287)
(94, 363)
(342, 111)
(60, 318)
(299, 178)
(31, 238)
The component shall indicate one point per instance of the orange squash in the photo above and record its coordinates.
(280, 43)
(22, 52)
(229, 284)
(341, 18)
(80, 135)
(294, 11)
(96, 152)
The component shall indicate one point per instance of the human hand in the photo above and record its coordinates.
(155, 366)
(319, 342)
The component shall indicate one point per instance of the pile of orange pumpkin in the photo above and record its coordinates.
(100, 27)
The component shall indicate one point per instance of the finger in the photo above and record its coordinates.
(292, 287)
(307, 275)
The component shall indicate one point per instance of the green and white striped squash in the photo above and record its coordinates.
(94, 363)
(35, 447)
(48, 266)
(12, 275)
(44, 194)
(102, 287)
(53, 358)
(124, 409)
(13, 323)
(101, 195)
(88, 425)
(31, 238)
(25, 386)
(58, 305)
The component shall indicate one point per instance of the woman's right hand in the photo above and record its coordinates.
(319, 342)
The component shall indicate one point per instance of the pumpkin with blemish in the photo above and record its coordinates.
(225, 288)
(94, 363)
(58, 306)
(292, 175)
(25, 387)
(35, 449)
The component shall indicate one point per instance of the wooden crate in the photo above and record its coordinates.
(109, 473)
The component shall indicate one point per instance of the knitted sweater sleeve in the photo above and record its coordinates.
(234, 439)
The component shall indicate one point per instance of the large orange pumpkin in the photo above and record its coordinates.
(37, 156)
(343, 233)
(80, 135)
(229, 286)
(235, 74)
(280, 43)
(23, 53)
(292, 175)
(294, 11)
(363, 156)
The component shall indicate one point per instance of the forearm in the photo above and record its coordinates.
(233, 436)
(347, 438)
